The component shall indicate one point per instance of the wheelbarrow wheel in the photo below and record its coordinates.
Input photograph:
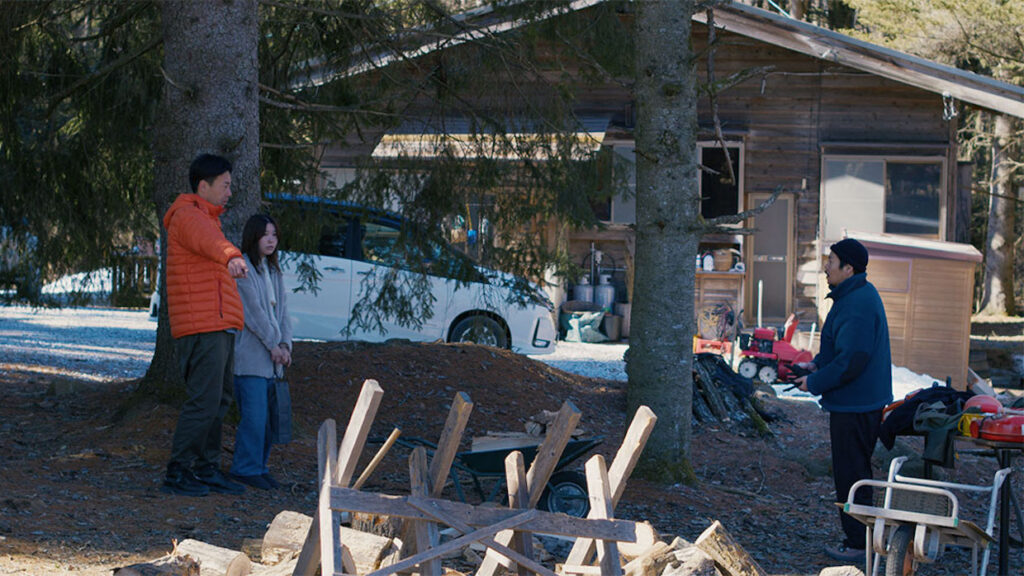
(900, 560)
(566, 492)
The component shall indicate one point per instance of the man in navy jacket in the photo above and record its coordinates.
(853, 375)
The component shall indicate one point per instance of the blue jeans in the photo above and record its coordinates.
(252, 441)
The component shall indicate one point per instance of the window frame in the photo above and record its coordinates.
(885, 159)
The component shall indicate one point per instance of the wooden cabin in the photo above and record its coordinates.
(857, 136)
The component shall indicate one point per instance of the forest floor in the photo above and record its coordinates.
(80, 479)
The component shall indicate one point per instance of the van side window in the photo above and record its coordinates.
(332, 240)
(380, 244)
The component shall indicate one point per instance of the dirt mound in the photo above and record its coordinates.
(81, 491)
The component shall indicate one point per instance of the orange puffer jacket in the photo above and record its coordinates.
(201, 294)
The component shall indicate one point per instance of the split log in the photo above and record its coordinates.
(285, 537)
(283, 569)
(646, 538)
(166, 566)
(214, 560)
(690, 561)
(730, 558)
(367, 550)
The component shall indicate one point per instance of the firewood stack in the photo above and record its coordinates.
(723, 396)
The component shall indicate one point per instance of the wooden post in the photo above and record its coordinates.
(464, 528)
(601, 503)
(331, 557)
(730, 558)
(548, 455)
(518, 497)
(622, 467)
(444, 455)
(358, 429)
(448, 443)
(425, 534)
(345, 461)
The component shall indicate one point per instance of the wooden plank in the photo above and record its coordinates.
(550, 451)
(425, 534)
(601, 504)
(518, 497)
(477, 516)
(345, 459)
(358, 428)
(548, 454)
(430, 555)
(622, 468)
(512, 555)
(448, 444)
(377, 459)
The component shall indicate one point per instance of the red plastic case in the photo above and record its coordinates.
(1005, 428)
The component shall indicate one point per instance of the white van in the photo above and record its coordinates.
(359, 247)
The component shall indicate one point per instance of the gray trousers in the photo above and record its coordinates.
(206, 361)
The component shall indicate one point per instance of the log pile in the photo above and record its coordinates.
(714, 553)
(723, 396)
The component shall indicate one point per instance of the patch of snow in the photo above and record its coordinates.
(94, 282)
(904, 381)
(586, 359)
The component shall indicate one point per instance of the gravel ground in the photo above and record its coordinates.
(114, 343)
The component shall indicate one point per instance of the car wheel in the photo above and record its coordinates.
(480, 329)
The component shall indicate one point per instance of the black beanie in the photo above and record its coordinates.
(851, 252)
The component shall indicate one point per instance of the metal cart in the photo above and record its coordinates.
(914, 519)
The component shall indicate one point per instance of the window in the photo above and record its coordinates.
(333, 238)
(720, 195)
(380, 244)
(896, 195)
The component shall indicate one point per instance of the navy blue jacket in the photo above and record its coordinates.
(854, 363)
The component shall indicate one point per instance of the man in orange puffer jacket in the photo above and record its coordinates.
(205, 311)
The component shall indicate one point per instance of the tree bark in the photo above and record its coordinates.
(210, 104)
(659, 363)
(997, 298)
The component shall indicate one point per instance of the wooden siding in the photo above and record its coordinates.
(784, 117)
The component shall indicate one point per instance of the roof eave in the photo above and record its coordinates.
(825, 44)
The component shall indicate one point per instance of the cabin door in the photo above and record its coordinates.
(770, 260)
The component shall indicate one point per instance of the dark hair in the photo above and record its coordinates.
(206, 167)
(255, 228)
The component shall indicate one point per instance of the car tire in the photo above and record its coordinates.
(480, 329)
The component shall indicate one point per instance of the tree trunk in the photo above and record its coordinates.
(667, 234)
(210, 104)
(997, 298)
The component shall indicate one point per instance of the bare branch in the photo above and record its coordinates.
(718, 223)
(295, 103)
(713, 96)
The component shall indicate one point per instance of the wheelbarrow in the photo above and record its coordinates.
(566, 490)
(913, 520)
